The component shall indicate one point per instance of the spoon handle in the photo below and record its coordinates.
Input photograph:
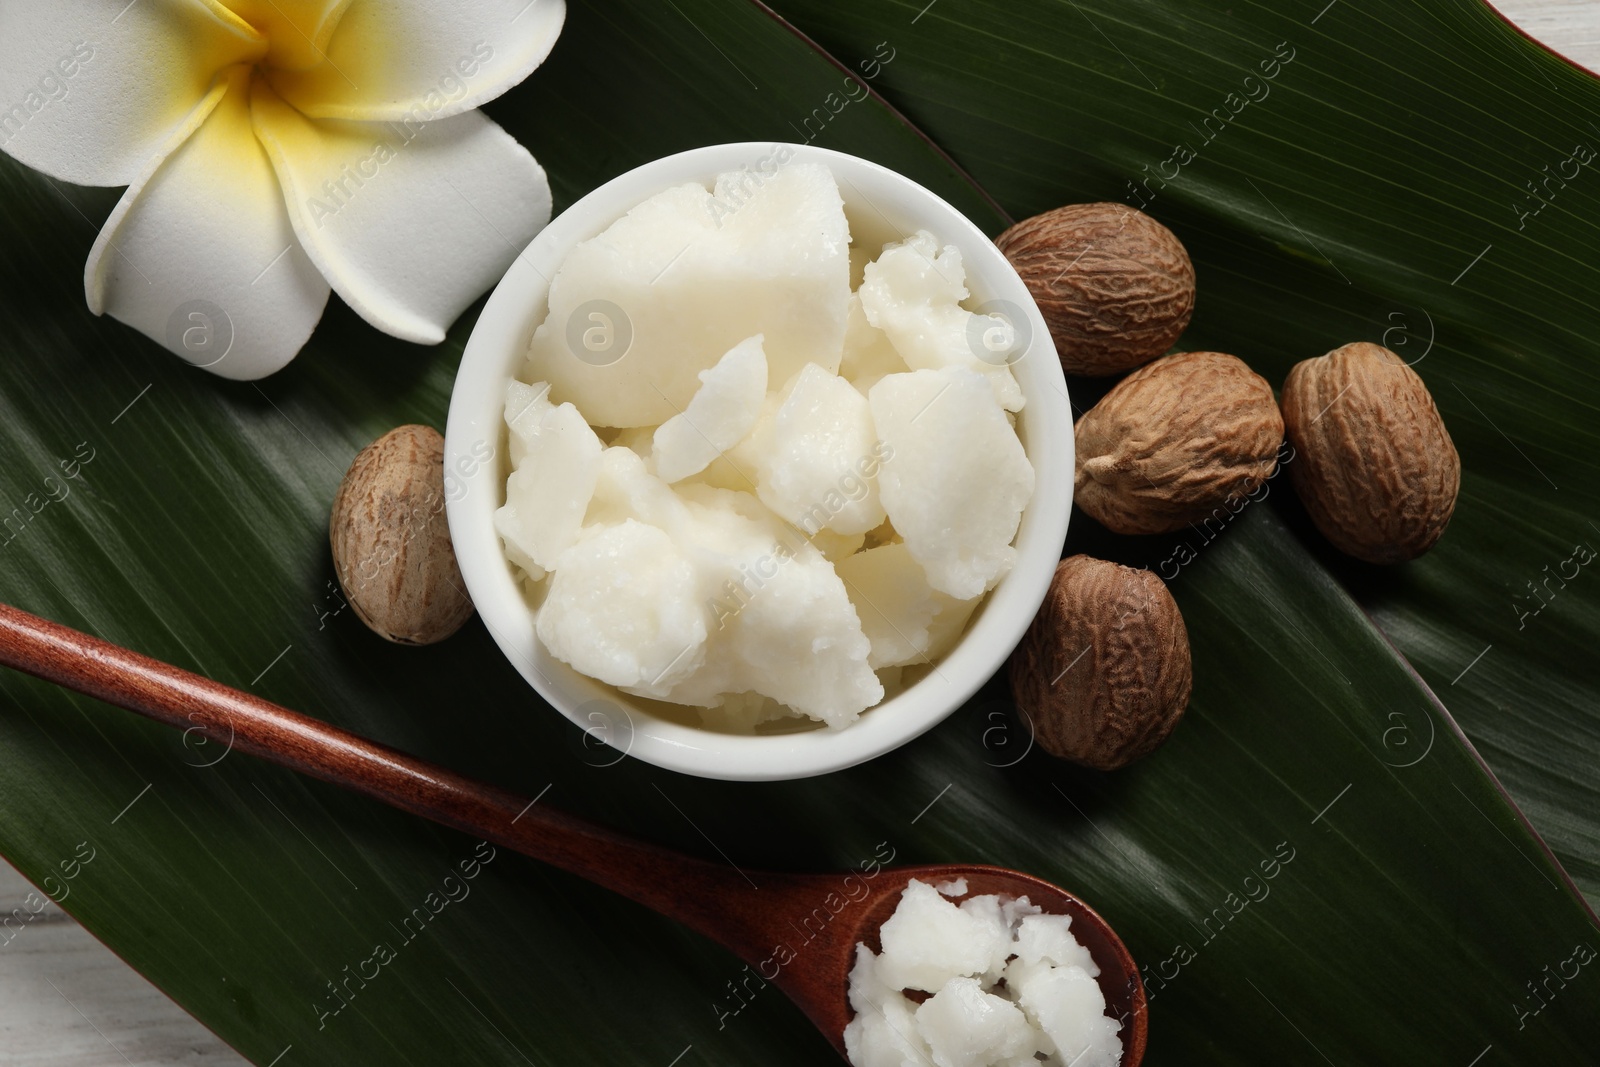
(690, 890)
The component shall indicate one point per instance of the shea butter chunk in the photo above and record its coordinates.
(722, 411)
(913, 293)
(894, 600)
(966, 1027)
(637, 312)
(622, 608)
(779, 621)
(557, 458)
(817, 459)
(928, 941)
(1048, 939)
(959, 479)
(1069, 1007)
(884, 1031)
(625, 489)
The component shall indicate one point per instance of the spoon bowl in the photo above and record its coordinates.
(817, 978)
(754, 914)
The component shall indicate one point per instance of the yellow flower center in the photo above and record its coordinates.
(296, 32)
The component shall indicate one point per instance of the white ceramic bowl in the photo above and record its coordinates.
(881, 206)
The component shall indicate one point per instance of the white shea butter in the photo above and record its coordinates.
(639, 311)
(960, 479)
(808, 452)
(774, 496)
(1011, 987)
(621, 608)
(913, 293)
(557, 459)
(720, 413)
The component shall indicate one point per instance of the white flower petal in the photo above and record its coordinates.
(423, 59)
(297, 31)
(87, 94)
(200, 254)
(409, 222)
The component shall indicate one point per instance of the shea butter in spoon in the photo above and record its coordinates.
(997, 981)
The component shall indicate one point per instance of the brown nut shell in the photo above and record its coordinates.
(1114, 285)
(391, 542)
(1175, 442)
(1104, 672)
(1373, 463)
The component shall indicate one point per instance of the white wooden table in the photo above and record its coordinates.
(1571, 27)
(67, 1001)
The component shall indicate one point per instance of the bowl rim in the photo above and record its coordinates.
(475, 472)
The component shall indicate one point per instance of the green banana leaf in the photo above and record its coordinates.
(1317, 867)
(1399, 181)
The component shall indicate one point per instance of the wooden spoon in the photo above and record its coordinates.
(796, 931)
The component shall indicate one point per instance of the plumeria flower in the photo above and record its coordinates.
(273, 149)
